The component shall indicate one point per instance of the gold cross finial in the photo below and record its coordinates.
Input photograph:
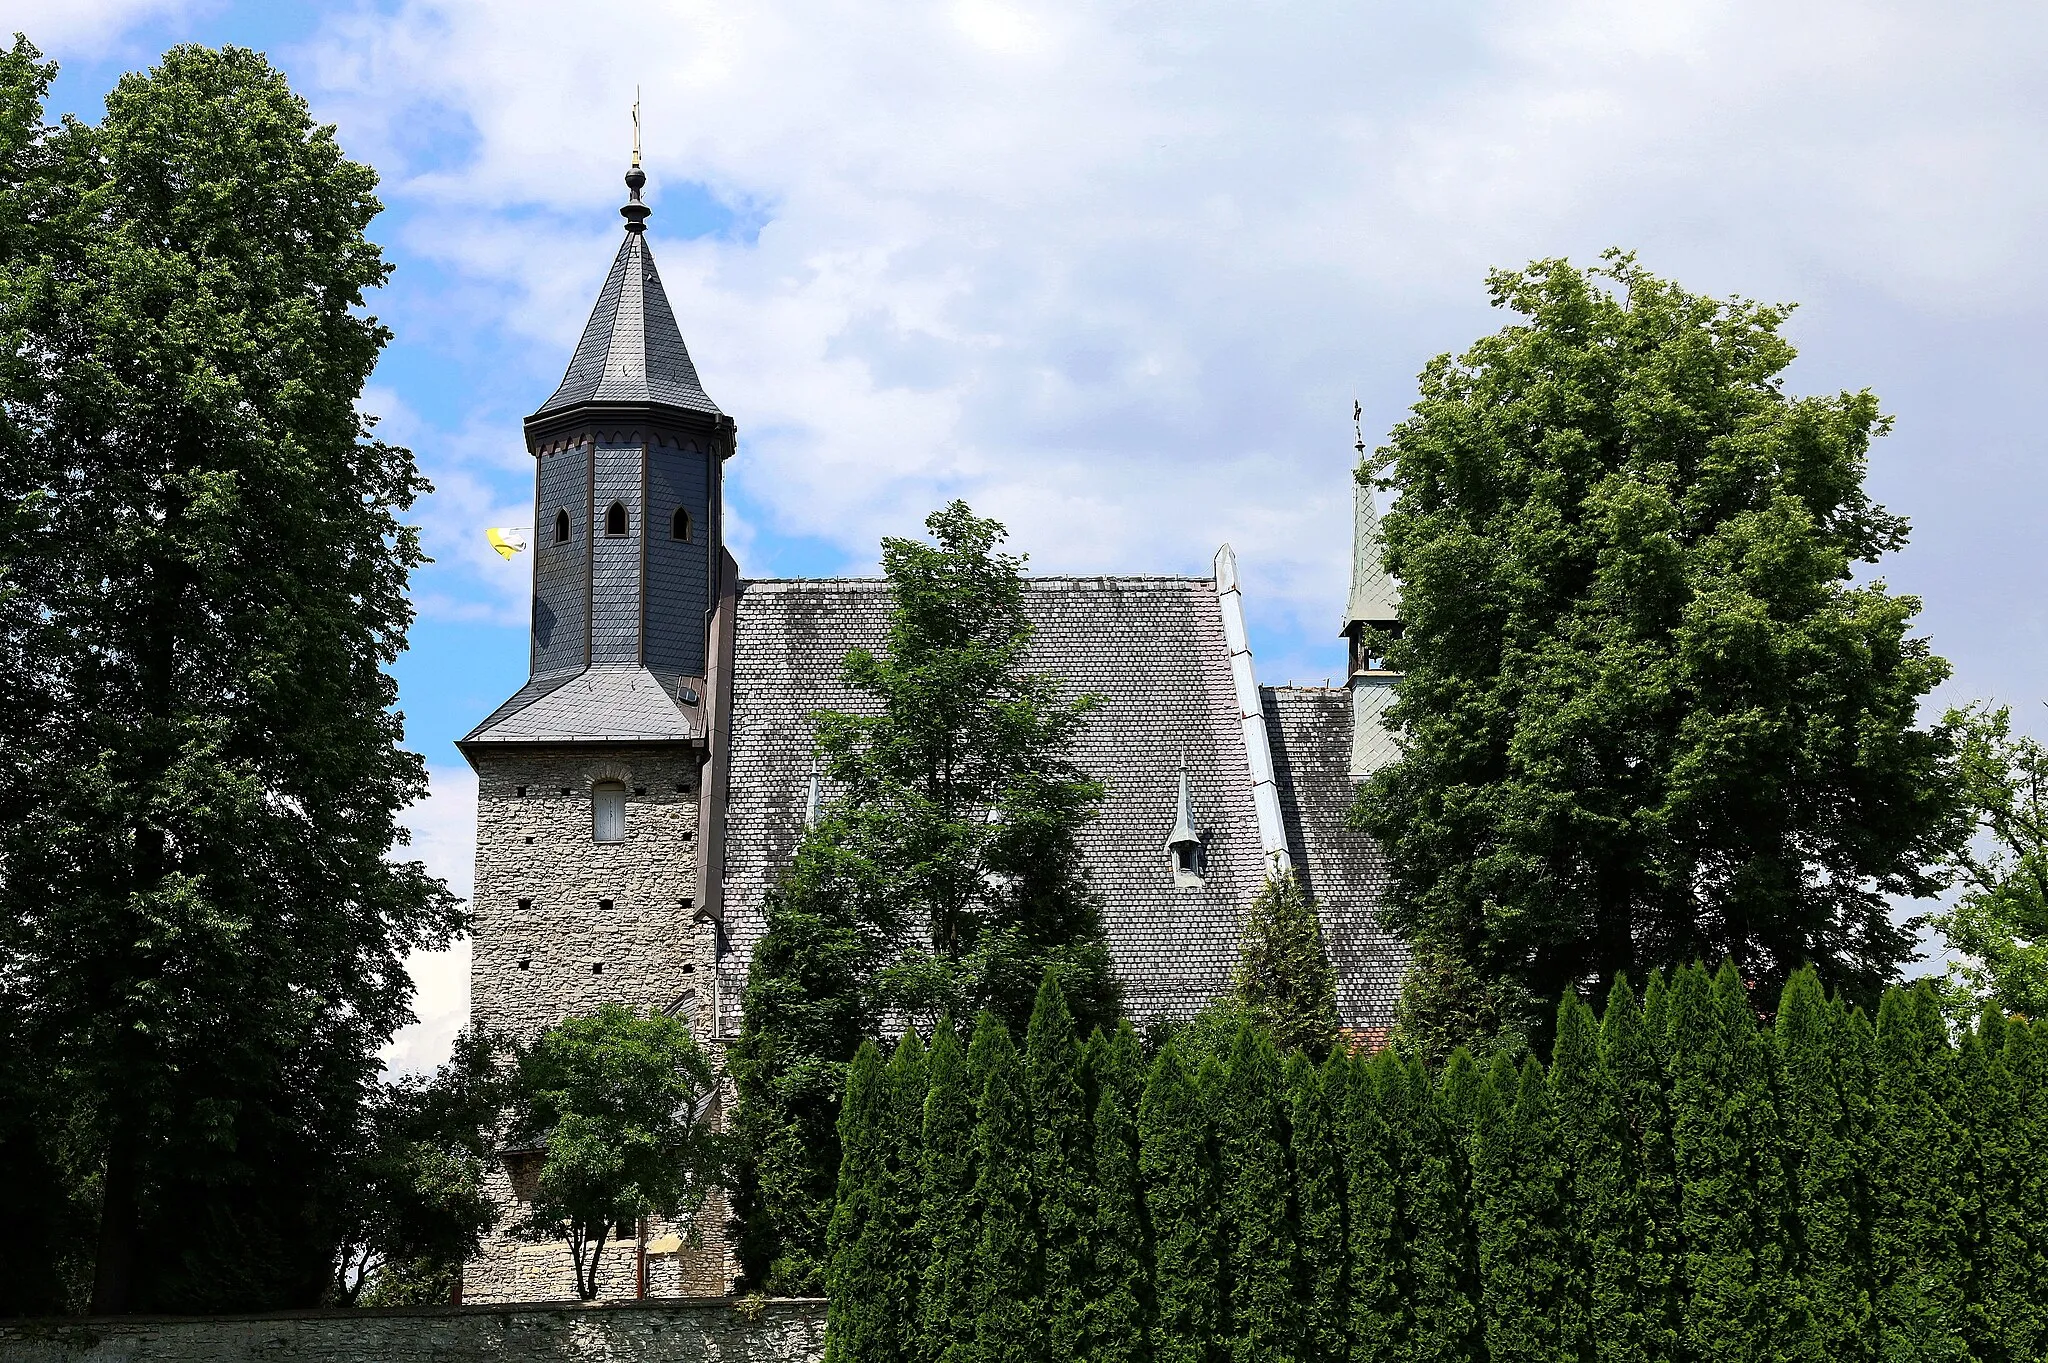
(636, 125)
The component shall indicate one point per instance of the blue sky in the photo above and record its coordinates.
(1115, 271)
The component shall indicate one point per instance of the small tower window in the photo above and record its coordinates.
(679, 528)
(608, 811)
(615, 519)
(561, 534)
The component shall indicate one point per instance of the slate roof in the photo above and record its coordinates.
(1375, 598)
(1153, 649)
(1343, 870)
(632, 351)
(605, 703)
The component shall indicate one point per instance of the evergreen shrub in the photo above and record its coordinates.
(1683, 1182)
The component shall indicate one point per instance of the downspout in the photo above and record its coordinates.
(1252, 718)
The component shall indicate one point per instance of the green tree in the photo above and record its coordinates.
(1645, 1204)
(874, 1240)
(2024, 1323)
(196, 870)
(1258, 1219)
(416, 1207)
(1177, 1168)
(612, 1099)
(1380, 1282)
(1918, 1242)
(1826, 1156)
(944, 878)
(1725, 1149)
(1999, 1289)
(1008, 1322)
(1284, 980)
(1523, 1269)
(1999, 923)
(1442, 1257)
(1596, 1198)
(1119, 1294)
(1317, 1100)
(1062, 1170)
(1647, 714)
(948, 1223)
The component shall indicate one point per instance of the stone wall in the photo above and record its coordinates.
(625, 1332)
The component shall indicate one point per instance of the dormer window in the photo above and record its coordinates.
(615, 520)
(679, 528)
(1183, 843)
(562, 527)
(608, 811)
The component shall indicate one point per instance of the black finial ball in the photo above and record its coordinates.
(635, 178)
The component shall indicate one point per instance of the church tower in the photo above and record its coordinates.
(1371, 617)
(589, 777)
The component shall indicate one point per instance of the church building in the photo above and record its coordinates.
(637, 796)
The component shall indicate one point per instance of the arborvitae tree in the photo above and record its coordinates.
(1725, 1147)
(1917, 1229)
(1522, 1252)
(1632, 1052)
(1285, 982)
(1258, 1220)
(1596, 1192)
(1647, 707)
(2026, 1061)
(1995, 1237)
(856, 1275)
(1119, 1289)
(906, 1085)
(1459, 1090)
(949, 1228)
(1378, 1104)
(1007, 1322)
(1178, 1174)
(1443, 1258)
(1317, 1101)
(1828, 1314)
(1062, 1174)
(203, 563)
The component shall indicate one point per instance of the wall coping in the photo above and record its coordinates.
(772, 1305)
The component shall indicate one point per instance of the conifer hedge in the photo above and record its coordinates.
(1682, 1182)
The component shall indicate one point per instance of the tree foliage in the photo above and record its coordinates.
(943, 878)
(1999, 923)
(1647, 714)
(1285, 983)
(613, 1102)
(204, 590)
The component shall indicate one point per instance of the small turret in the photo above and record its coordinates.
(1372, 618)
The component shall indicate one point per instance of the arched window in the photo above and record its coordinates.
(615, 519)
(608, 811)
(561, 527)
(679, 528)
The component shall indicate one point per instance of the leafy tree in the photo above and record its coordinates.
(1316, 1103)
(613, 1102)
(1827, 1153)
(1119, 1293)
(1523, 1269)
(1258, 1219)
(1725, 1147)
(1647, 713)
(1284, 980)
(1177, 1169)
(1062, 1169)
(944, 879)
(416, 1207)
(948, 1229)
(1008, 1323)
(1917, 1217)
(1999, 923)
(1380, 1282)
(203, 918)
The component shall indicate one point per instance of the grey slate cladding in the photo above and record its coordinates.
(678, 572)
(559, 606)
(616, 703)
(615, 559)
(1152, 649)
(1342, 869)
(632, 351)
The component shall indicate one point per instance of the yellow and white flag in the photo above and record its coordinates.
(507, 540)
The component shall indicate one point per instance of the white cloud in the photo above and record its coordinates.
(67, 28)
(443, 828)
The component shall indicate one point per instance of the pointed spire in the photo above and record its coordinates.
(1183, 814)
(814, 800)
(632, 351)
(1375, 600)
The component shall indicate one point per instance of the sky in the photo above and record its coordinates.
(1115, 272)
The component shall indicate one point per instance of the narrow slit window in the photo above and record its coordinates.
(615, 519)
(562, 527)
(608, 811)
(679, 528)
